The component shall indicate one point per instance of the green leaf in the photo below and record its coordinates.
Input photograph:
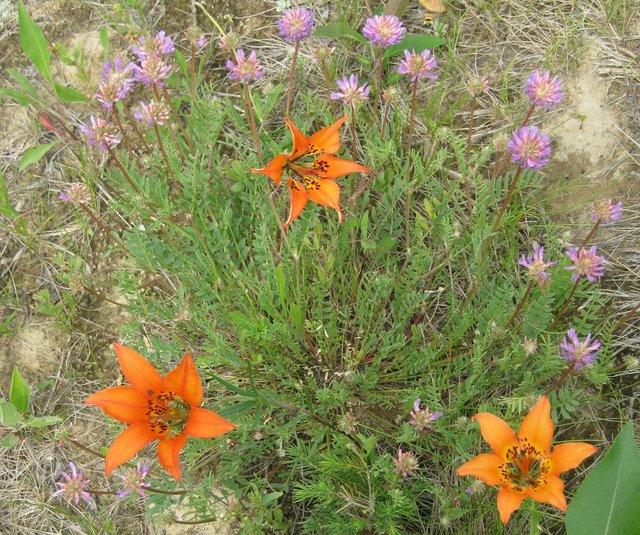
(415, 43)
(33, 42)
(19, 392)
(9, 441)
(606, 502)
(9, 415)
(34, 155)
(20, 97)
(281, 284)
(104, 41)
(5, 204)
(69, 94)
(269, 497)
(368, 443)
(339, 29)
(182, 63)
(23, 82)
(43, 421)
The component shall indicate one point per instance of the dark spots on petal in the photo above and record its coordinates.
(321, 165)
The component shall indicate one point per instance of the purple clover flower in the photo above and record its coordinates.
(529, 148)
(245, 68)
(153, 113)
(73, 488)
(536, 265)
(543, 90)
(152, 70)
(606, 211)
(586, 263)
(580, 353)
(383, 30)
(133, 481)
(115, 83)
(159, 45)
(406, 463)
(100, 133)
(418, 66)
(350, 93)
(295, 24)
(423, 418)
(76, 193)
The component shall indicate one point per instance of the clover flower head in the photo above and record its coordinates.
(536, 265)
(116, 81)
(529, 148)
(418, 65)
(586, 263)
(383, 30)
(543, 90)
(100, 133)
(159, 45)
(406, 463)
(245, 68)
(423, 418)
(392, 95)
(76, 193)
(607, 212)
(195, 37)
(580, 353)
(295, 24)
(529, 345)
(73, 488)
(152, 70)
(153, 113)
(132, 480)
(350, 92)
(322, 52)
(228, 42)
(478, 85)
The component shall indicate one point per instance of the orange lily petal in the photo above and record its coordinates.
(327, 140)
(185, 381)
(508, 502)
(127, 444)
(124, 403)
(569, 455)
(537, 426)
(273, 169)
(300, 142)
(169, 453)
(325, 193)
(298, 201)
(204, 423)
(332, 167)
(484, 466)
(496, 432)
(141, 375)
(552, 493)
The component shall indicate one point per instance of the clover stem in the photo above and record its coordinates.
(414, 90)
(562, 378)
(505, 203)
(193, 73)
(164, 154)
(527, 116)
(385, 118)
(624, 318)
(116, 116)
(102, 226)
(252, 122)
(291, 74)
(122, 170)
(567, 301)
(379, 74)
(592, 232)
(127, 112)
(470, 131)
(327, 85)
(520, 303)
(171, 131)
(354, 137)
(176, 117)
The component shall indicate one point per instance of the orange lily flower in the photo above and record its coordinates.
(155, 408)
(314, 180)
(523, 464)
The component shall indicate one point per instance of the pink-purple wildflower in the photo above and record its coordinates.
(586, 263)
(133, 480)
(529, 148)
(406, 463)
(73, 488)
(159, 45)
(605, 211)
(580, 353)
(543, 90)
(115, 83)
(423, 418)
(350, 92)
(418, 65)
(228, 42)
(100, 133)
(478, 85)
(152, 70)
(536, 265)
(77, 193)
(383, 30)
(295, 24)
(152, 113)
(245, 68)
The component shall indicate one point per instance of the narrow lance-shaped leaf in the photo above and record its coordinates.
(34, 155)
(33, 42)
(19, 393)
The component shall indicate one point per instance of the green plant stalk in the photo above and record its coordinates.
(246, 99)
(470, 130)
(327, 84)
(122, 170)
(385, 118)
(193, 73)
(414, 90)
(354, 136)
(291, 74)
(505, 203)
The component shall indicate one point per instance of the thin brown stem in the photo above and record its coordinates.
(116, 116)
(379, 75)
(176, 117)
(414, 90)
(626, 317)
(520, 304)
(193, 73)
(592, 232)
(164, 154)
(505, 203)
(562, 378)
(252, 122)
(567, 301)
(122, 170)
(470, 130)
(354, 137)
(85, 448)
(171, 131)
(102, 226)
(133, 123)
(385, 118)
(499, 166)
(527, 116)
(291, 74)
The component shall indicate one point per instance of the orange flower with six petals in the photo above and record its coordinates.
(156, 408)
(523, 464)
(314, 180)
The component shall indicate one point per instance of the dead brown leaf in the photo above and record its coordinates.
(433, 6)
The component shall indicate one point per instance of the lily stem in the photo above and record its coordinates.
(291, 74)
